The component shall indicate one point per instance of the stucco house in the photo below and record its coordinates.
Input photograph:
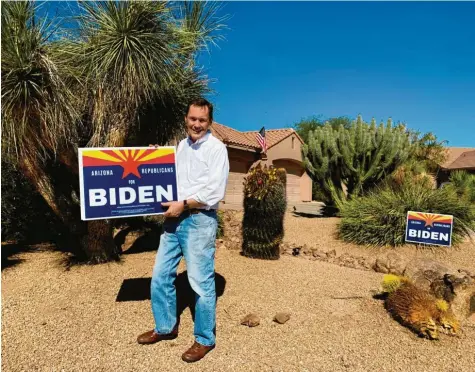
(458, 158)
(283, 151)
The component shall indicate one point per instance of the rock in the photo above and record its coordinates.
(463, 303)
(288, 251)
(466, 273)
(306, 250)
(346, 260)
(369, 263)
(319, 254)
(281, 318)
(392, 263)
(284, 247)
(456, 287)
(331, 254)
(362, 263)
(424, 271)
(250, 320)
(446, 286)
(396, 263)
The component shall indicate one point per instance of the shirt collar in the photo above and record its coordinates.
(201, 140)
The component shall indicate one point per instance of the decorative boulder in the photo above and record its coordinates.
(392, 263)
(250, 320)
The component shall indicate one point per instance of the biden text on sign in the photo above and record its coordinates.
(429, 228)
(126, 182)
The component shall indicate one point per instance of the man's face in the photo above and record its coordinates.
(197, 122)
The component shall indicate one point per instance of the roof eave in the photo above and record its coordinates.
(239, 147)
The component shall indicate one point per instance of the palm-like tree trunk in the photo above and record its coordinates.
(91, 241)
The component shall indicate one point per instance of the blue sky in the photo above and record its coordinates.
(284, 61)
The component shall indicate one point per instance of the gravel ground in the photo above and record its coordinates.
(59, 320)
(321, 232)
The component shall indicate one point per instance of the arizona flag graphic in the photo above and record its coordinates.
(429, 228)
(126, 181)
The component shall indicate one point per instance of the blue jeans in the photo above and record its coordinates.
(193, 237)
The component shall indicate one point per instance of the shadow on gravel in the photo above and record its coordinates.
(325, 211)
(138, 289)
(11, 249)
(146, 242)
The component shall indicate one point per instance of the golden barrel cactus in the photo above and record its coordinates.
(418, 309)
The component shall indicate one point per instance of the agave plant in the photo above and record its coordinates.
(38, 109)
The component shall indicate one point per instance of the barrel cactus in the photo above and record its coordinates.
(264, 209)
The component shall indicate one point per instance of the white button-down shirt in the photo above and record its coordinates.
(202, 170)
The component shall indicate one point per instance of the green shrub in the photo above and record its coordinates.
(380, 217)
(264, 210)
(463, 184)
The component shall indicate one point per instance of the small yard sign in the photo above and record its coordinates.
(126, 181)
(429, 228)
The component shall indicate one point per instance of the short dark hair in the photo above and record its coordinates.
(201, 102)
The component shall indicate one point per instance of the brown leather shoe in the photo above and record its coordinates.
(151, 337)
(196, 352)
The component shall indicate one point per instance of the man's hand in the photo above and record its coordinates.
(175, 208)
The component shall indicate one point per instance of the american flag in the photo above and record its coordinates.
(261, 138)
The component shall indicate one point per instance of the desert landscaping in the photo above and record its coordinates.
(331, 167)
(79, 318)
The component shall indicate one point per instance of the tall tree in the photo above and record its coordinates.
(39, 110)
(130, 66)
(305, 126)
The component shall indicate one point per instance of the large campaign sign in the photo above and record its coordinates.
(429, 228)
(126, 181)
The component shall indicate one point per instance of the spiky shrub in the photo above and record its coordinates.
(264, 209)
(463, 183)
(379, 219)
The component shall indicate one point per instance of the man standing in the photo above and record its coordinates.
(190, 231)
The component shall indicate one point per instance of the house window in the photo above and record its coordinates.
(293, 139)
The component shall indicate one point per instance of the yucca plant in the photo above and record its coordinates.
(123, 77)
(38, 109)
(379, 218)
(264, 210)
(136, 57)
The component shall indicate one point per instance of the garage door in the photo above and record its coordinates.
(294, 173)
(293, 188)
(234, 187)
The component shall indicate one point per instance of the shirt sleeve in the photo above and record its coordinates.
(215, 189)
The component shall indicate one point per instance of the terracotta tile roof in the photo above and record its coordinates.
(464, 161)
(248, 139)
(231, 136)
(453, 153)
